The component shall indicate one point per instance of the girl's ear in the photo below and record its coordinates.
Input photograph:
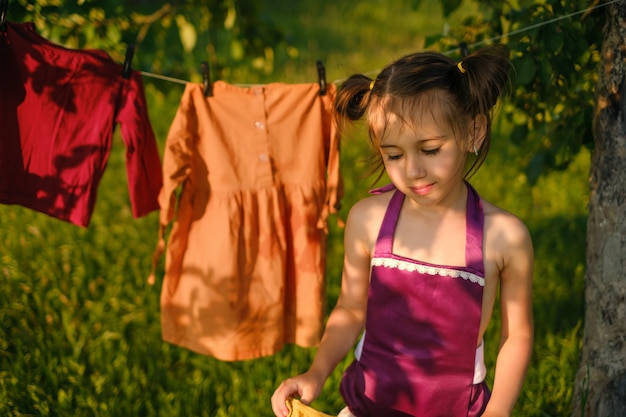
(478, 131)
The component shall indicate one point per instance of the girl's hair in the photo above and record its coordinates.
(455, 93)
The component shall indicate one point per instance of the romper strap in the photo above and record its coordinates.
(475, 219)
(384, 242)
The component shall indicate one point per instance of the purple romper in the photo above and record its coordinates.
(422, 325)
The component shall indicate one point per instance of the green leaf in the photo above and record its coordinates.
(237, 50)
(187, 33)
(535, 168)
(113, 34)
(231, 16)
(554, 39)
(450, 6)
(525, 69)
(519, 134)
(545, 71)
(431, 40)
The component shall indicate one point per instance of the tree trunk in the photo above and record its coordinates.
(600, 387)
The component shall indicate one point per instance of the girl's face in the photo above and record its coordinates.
(424, 160)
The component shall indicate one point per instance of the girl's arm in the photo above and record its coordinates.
(517, 318)
(345, 322)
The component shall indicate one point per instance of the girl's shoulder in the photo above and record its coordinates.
(375, 203)
(366, 216)
(505, 232)
(501, 219)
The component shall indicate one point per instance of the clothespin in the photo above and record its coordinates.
(130, 52)
(206, 79)
(4, 7)
(321, 74)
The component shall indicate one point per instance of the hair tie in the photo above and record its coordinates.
(460, 67)
(372, 84)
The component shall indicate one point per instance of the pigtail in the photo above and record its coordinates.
(352, 98)
(480, 79)
(477, 82)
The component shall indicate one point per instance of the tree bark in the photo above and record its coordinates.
(600, 386)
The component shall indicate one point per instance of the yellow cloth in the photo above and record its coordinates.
(297, 409)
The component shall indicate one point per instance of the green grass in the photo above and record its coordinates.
(80, 326)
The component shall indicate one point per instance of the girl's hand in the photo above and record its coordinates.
(305, 386)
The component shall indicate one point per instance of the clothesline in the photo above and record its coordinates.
(473, 45)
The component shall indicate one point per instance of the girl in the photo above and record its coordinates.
(424, 256)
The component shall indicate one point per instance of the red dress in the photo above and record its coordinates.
(58, 111)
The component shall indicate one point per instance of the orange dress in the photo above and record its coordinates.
(250, 176)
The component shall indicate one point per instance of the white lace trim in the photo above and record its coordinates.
(430, 270)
